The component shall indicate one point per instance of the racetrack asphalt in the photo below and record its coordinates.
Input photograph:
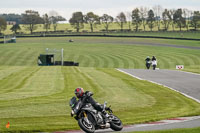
(144, 43)
(183, 82)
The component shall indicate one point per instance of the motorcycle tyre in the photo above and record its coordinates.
(115, 127)
(81, 125)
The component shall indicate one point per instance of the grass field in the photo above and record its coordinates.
(103, 52)
(34, 98)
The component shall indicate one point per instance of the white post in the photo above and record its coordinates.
(4, 39)
(62, 56)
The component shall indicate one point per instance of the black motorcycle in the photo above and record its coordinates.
(90, 119)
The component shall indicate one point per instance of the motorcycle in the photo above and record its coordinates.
(148, 64)
(89, 119)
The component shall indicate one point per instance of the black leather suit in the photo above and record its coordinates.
(87, 98)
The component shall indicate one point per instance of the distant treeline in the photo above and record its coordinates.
(19, 18)
(157, 17)
(12, 17)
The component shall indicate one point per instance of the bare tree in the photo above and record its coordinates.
(157, 9)
(171, 14)
(54, 18)
(187, 15)
(121, 19)
(166, 19)
(143, 16)
(129, 19)
(47, 22)
(53, 13)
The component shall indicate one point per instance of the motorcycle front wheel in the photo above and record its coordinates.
(116, 123)
(86, 126)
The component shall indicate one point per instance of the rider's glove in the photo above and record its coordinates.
(72, 113)
(108, 109)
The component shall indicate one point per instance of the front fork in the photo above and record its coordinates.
(86, 118)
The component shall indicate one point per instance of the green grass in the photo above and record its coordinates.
(103, 52)
(189, 130)
(34, 98)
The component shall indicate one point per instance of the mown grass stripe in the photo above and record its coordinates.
(124, 61)
(28, 58)
(96, 60)
(135, 60)
(105, 61)
(194, 59)
(5, 54)
(15, 86)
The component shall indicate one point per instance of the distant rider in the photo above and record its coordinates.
(154, 62)
(148, 62)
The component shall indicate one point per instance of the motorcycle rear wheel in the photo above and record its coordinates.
(88, 128)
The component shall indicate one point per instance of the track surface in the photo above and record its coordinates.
(186, 83)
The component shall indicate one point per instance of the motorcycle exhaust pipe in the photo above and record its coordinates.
(107, 125)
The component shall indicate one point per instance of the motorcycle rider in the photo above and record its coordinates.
(148, 62)
(86, 97)
(154, 62)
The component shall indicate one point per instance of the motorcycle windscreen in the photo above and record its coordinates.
(77, 106)
(72, 102)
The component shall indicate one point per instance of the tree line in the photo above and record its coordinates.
(30, 20)
(157, 17)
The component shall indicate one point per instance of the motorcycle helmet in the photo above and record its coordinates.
(79, 92)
